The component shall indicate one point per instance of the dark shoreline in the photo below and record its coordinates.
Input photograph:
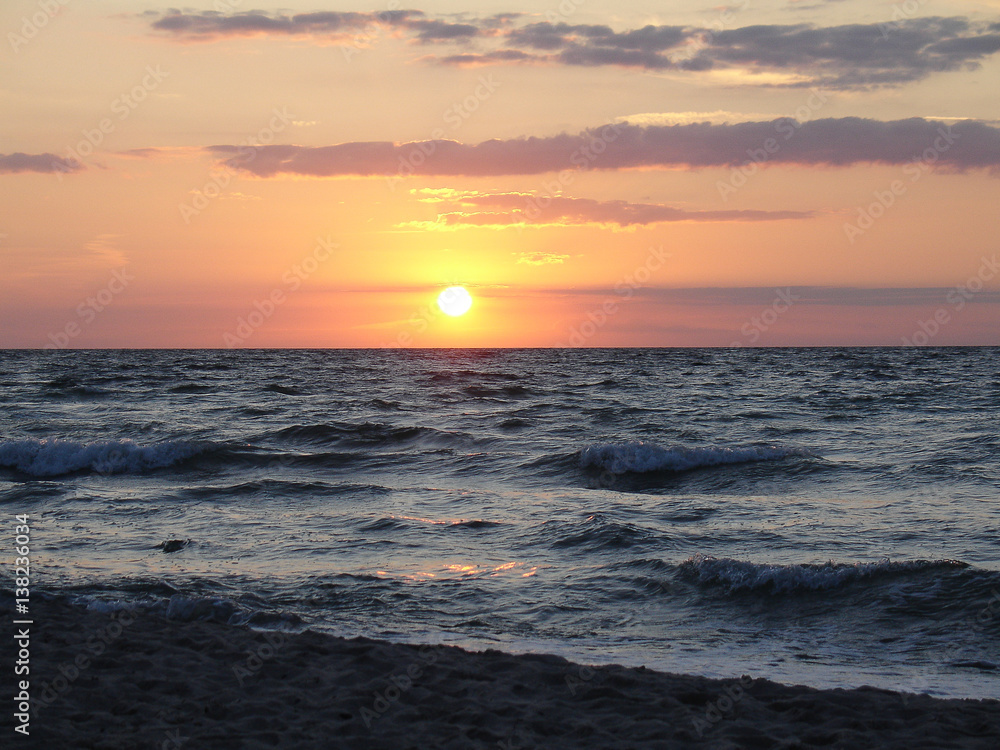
(137, 680)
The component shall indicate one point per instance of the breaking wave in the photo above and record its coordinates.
(52, 458)
(640, 457)
(738, 575)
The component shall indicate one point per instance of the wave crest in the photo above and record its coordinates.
(53, 457)
(638, 457)
(739, 575)
(364, 434)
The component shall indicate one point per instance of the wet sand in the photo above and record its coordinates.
(120, 680)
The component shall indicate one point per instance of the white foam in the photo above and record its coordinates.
(200, 608)
(739, 575)
(109, 607)
(639, 456)
(49, 458)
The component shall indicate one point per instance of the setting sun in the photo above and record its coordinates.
(531, 332)
(455, 301)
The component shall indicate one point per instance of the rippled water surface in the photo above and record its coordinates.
(820, 516)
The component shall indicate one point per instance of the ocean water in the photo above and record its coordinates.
(825, 517)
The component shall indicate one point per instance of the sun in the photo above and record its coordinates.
(455, 301)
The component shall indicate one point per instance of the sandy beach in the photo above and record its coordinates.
(137, 680)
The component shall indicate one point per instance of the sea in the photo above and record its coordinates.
(817, 516)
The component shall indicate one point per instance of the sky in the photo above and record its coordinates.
(629, 173)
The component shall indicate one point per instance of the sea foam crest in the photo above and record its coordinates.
(49, 458)
(740, 575)
(639, 456)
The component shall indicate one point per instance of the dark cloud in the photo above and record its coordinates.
(980, 45)
(592, 55)
(551, 36)
(847, 56)
(499, 20)
(210, 25)
(470, 59)
(44, 163)
(854, 55)
(440, 31)
(804, 295)
(515, 208)
(966, 144)
(794, 5)
(555, 36)
(143, 153)
(648, 38)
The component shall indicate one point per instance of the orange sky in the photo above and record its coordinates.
(595, 174)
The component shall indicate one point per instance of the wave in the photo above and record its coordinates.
(65, 386)
(284, 390)
(367, 433)
(738, 575)
(606, 383)
(482, 391)
(173, 605)
(394, 523)
(51, 458)
(381, 403)
(459, 375)
(275, 488)
(639, 457)
(598, 532)
(191, 388)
